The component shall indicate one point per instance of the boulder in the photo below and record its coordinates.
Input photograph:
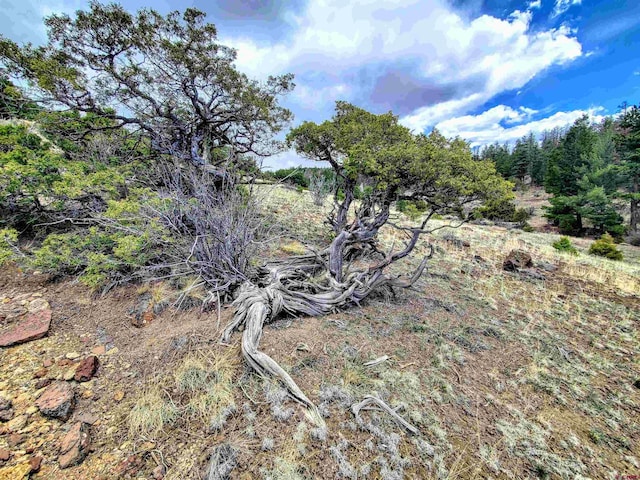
(87, 369)
(57, 401)
(517, 260)
(75, 445)
(35, 325)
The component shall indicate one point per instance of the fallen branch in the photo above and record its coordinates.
(370, 400)
(377, 361)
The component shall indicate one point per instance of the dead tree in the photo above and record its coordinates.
(397, 164)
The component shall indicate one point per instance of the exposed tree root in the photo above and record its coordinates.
(296, 286)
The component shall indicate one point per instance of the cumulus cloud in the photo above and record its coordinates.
(535, 4)
(449, 63)
(505, 124)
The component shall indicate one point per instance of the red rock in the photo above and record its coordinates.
(130, 466)
(87, 369)
(75, 445)
(57, 401)
(43, 382)
(34, 463)
(63, 362)
(6, 413)
(40, 373)
(47, 362)
(35, 325)
(15, 439)
(4, 454)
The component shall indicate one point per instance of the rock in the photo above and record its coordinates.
(72, 355)
(31, 410)
(69, 374)
(6, 412)
(547, 267)
(159, 472)
(87, 369)
(40, 373)
(532, 273)
(35, 463)
(6, 415)
(75, 445)
(4, 454)
(516, 260)
(17, 423)
(118, 396)
(35, 325)
(87, 418)
(637, 383)
(57, 401)
(15, 439)
(129, 467)
(47, 362)
(64, 362)
(99, 350)
(43, 382)
(112, 351)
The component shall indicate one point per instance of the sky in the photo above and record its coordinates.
(484, 70)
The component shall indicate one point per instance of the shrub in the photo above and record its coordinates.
(8, 238)
(565, 245)
(605, 247)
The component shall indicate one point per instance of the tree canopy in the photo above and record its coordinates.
(167, 77)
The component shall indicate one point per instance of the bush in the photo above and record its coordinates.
(605, 247)
(8, 238)
(565, 245)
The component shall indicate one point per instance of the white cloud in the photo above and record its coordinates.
(562, 6)
(479, 57)
(534, 4)
(493, 125)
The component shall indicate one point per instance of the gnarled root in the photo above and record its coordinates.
(287, 289)
(370, 403)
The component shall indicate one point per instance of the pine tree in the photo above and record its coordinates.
(628, 141)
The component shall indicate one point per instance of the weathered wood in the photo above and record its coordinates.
(370, 400)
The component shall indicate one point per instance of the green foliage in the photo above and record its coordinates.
(565, 245)
(13, 103)
(8, 238)
(180, 86)
(376, 148)
(605, 247)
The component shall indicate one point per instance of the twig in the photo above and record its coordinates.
(377, 361)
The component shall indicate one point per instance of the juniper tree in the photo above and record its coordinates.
(167, 77)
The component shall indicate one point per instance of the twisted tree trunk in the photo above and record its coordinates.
(285, 286)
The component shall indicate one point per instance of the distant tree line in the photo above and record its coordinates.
(592, 171)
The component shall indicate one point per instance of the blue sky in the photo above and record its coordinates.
(487, 70)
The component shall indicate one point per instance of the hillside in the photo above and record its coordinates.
(530, 374)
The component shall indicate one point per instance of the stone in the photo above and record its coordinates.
(159, 472)
(43, 382)
(72, 355)
(64, 362)
(516, 260)
(5, 403)
(118, 396)
(99, 350)
(4, 454)
(40, 373)
(33, 326)
(35, 463)
(75, 445)
(112, 351)
(47, 362)
(69, 374)
(87, 369)
(6, 415)
(57, 401)
(15, 439)
(86, 417)
(128, 467)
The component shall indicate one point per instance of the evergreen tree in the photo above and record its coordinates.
(628, 141)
